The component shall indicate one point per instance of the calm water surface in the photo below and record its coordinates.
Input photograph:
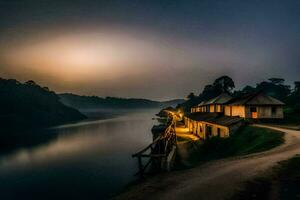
(89, 160)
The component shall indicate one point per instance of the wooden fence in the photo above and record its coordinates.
(158, 151)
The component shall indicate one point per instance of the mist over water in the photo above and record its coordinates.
(89, 160)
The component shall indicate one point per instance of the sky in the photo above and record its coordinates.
(146, 48)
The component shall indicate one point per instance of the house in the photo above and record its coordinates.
(255, 106)
(213, 105)
(205, 125)
(223, 115)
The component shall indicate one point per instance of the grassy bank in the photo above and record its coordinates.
(281, 183)
(246, 141)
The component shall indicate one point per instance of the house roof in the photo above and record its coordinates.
(202, 103)
(214, 118)
(199, 116)
(221, 99)
(258, 98)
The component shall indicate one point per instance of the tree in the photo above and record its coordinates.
(248, 89)
(191, 96)
(30, 82)
(275, 89)
(47, 89)
(297, 87)
(209, 91)
(277, 81)
(224, 84)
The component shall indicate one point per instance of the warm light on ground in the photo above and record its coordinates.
(184, 133)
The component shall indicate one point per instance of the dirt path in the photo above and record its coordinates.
(217, 179)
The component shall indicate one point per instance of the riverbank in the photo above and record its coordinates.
(225, 176)
(246, 141)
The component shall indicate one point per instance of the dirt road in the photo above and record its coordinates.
(218, 179)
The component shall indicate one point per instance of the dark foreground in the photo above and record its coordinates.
(282, 182)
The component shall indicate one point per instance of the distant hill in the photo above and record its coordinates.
(28, 105)
(172, 103)
(95, 102)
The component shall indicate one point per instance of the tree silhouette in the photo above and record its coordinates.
(297, 87)
(30, 82)
(191, 96)
(275, 88)
(28, 105)
(277, 81)
(224, 84)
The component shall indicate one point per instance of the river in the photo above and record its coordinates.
(86, 160)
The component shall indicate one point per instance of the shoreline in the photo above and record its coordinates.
(214, 175)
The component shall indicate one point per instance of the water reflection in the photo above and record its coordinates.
(89, 160)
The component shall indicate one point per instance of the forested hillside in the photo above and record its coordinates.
(95, 102)
(28, 105)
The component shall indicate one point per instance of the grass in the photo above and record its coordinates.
(246, 141)
(292, 118)
(283, 181)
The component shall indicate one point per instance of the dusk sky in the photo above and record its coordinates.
(149, 49)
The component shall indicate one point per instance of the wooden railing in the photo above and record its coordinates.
(159, 149)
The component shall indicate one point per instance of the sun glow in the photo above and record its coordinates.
(113, 62)
(81, 56)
